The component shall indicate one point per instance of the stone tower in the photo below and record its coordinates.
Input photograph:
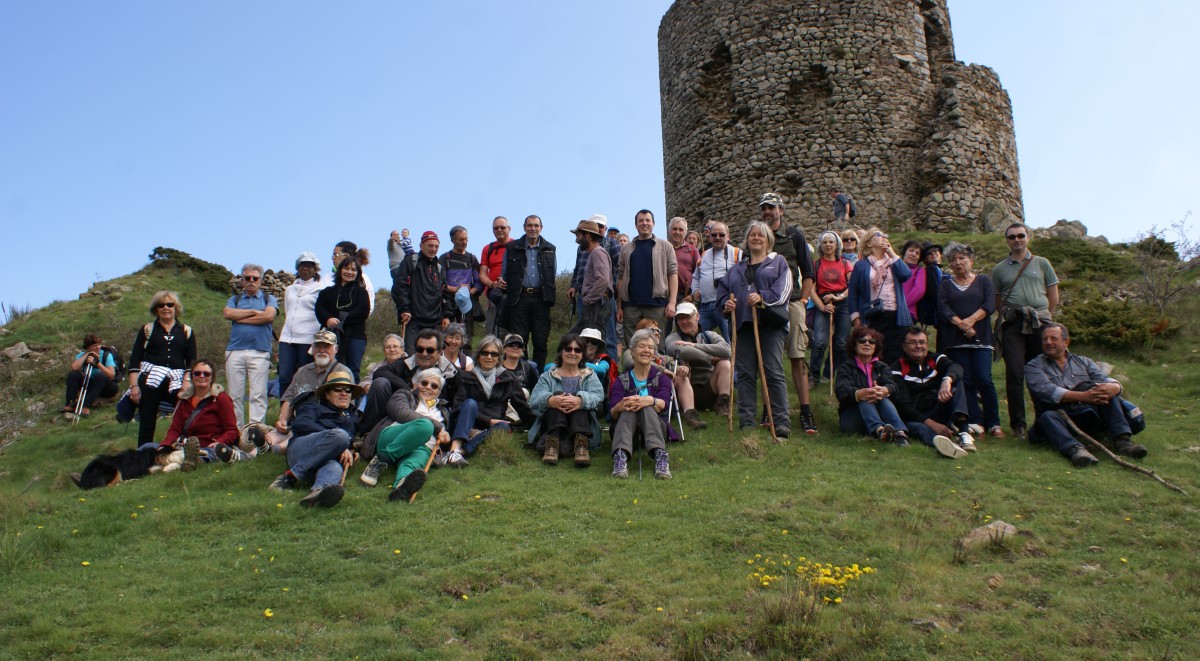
(799, 96)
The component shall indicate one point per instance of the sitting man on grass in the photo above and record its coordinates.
(930, 399)
(1059, 380)
(320, 446)
(706, 355)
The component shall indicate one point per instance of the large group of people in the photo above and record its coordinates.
(731, 315)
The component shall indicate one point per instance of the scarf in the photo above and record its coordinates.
(914, 289)
(487, 379)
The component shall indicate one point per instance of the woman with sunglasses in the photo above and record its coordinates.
(161, 352)
(422, 419)
(566, 400)
(864, 389)
(482, 399)
(343, 308)
(877, 292)
(205, 423)
(638, 404)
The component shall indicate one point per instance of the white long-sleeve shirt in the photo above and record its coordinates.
(713, 266)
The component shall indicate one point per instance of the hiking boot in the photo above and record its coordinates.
(1130, 449)
(191, 454)
(408, 486)
(457, 460)
(807, 423)
(662, 466)
(1081, 458)
(582, 458)
(722, 407)
(371, 473)
(692, 419)
(620, 464)
(997, 432)
(966, 442)
(550, 457)
(1019, 432)
(326, 496)
(901, 437)
(885, 433)
(223, 452)
(257, 436)
(783, 432)
(284, 482)
(948, 448)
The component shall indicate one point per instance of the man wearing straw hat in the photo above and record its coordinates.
(595, 290)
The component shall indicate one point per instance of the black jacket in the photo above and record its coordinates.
(350, 300)
(514, 270)
(506, 391)
(919, 384)
(850, 378)
(419, 289)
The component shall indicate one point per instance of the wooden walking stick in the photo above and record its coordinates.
(1097, 445)
(732, 362)
(762, 375)
(832, 374)
(428, 463)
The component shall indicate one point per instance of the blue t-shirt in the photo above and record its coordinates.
(641, 274)
(106, 358)
(248, 337)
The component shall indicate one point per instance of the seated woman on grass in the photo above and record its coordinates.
(482, 400)
(865, 387)
(100, 382)
(205, 423)
(567, 401)
(420, 429)
(638, 403)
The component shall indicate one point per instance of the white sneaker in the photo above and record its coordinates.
(440, 459)
(457, 460)
(948, 448)
(966, 442)
(976, 430)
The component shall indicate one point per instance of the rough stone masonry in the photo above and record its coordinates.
(796, 97)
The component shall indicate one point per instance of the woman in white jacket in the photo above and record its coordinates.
(300, 320)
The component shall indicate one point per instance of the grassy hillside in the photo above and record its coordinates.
(509, 558)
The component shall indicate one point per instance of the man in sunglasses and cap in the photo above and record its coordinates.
(320, 448)
(324, 352)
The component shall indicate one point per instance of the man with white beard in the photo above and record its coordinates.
(308, 378)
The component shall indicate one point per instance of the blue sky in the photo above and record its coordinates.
(252, 131)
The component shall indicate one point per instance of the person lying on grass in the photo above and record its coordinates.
(420, 427)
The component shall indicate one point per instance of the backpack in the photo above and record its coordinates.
(853, 207)
(117, 360)
(187, 333)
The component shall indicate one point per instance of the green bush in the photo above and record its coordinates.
(214, 276)
(1117, 325)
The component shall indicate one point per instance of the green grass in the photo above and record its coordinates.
(567, 563)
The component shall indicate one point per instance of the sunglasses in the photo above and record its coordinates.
(849, 240)
(865, 340)
(1010, 237)
(717, 235)
(342, 390)
(490, 354)
(572, 349)
(426, 349)
(251, 278)
(497, 229)
(165, 305)
(432, 385)
(201, 374)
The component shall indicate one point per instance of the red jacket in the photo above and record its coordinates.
(215, 424)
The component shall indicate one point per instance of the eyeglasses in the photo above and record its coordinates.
(572, 349)
(499, 227)
(866, 340)
(342, 390)
(849, 240)
(165, 305)
(426, 350)
(432, 385)
(916, 343)
(251, 278)
(1010, 237)
(490, 354)
(717, 235)
(201, 374)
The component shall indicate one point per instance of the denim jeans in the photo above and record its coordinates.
(315, 456)
(977, 384)
(944, 412)
(464, 424)
(711, 318)
(869, 416)
(610, 329)
(374, 405)
(818, 361)
(291, 358)
(350, 353)
(1109, 417)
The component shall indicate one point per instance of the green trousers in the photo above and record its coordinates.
(403, 444)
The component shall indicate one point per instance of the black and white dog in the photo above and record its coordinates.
(109, 469)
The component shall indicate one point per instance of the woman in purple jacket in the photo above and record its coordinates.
(638, 402)
(761, 281)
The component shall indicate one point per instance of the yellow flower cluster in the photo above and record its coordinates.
(825, 582)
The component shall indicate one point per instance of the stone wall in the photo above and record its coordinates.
(796, 97)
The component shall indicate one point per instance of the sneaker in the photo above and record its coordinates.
(223, 452)
(257, 436)
(692, 419)
(1081, 458)
(885, 433)
(583, 458)
(966, 442)
(807, 423)
(408, 486)
(901, 437)
(370, 475)
(975, 430)
(550, 457)
(997, 432)
(722, 407)
(662, 466)
(620, 465)
(1130, 449)
(457, 460)
(326, 496)
(948, 448)
(440, 460)
(284, 482)
(191, 454)
(783, 432)
(1019, 432)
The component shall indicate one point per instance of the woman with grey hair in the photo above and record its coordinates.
(966, 301)
(637, 402)
(453, 344)
(421, 424)
(832, 312)
(762, 283)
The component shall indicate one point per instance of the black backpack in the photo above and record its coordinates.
(853, 207)
(117, 360)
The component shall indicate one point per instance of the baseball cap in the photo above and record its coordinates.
(685, 308)
(772, 199)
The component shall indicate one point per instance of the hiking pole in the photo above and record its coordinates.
(832, 375)
(87, 379)
(732, 363)
(762, 373)
(675, 402)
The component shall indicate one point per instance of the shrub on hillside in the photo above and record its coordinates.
(1118, 325)
(214, 276)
